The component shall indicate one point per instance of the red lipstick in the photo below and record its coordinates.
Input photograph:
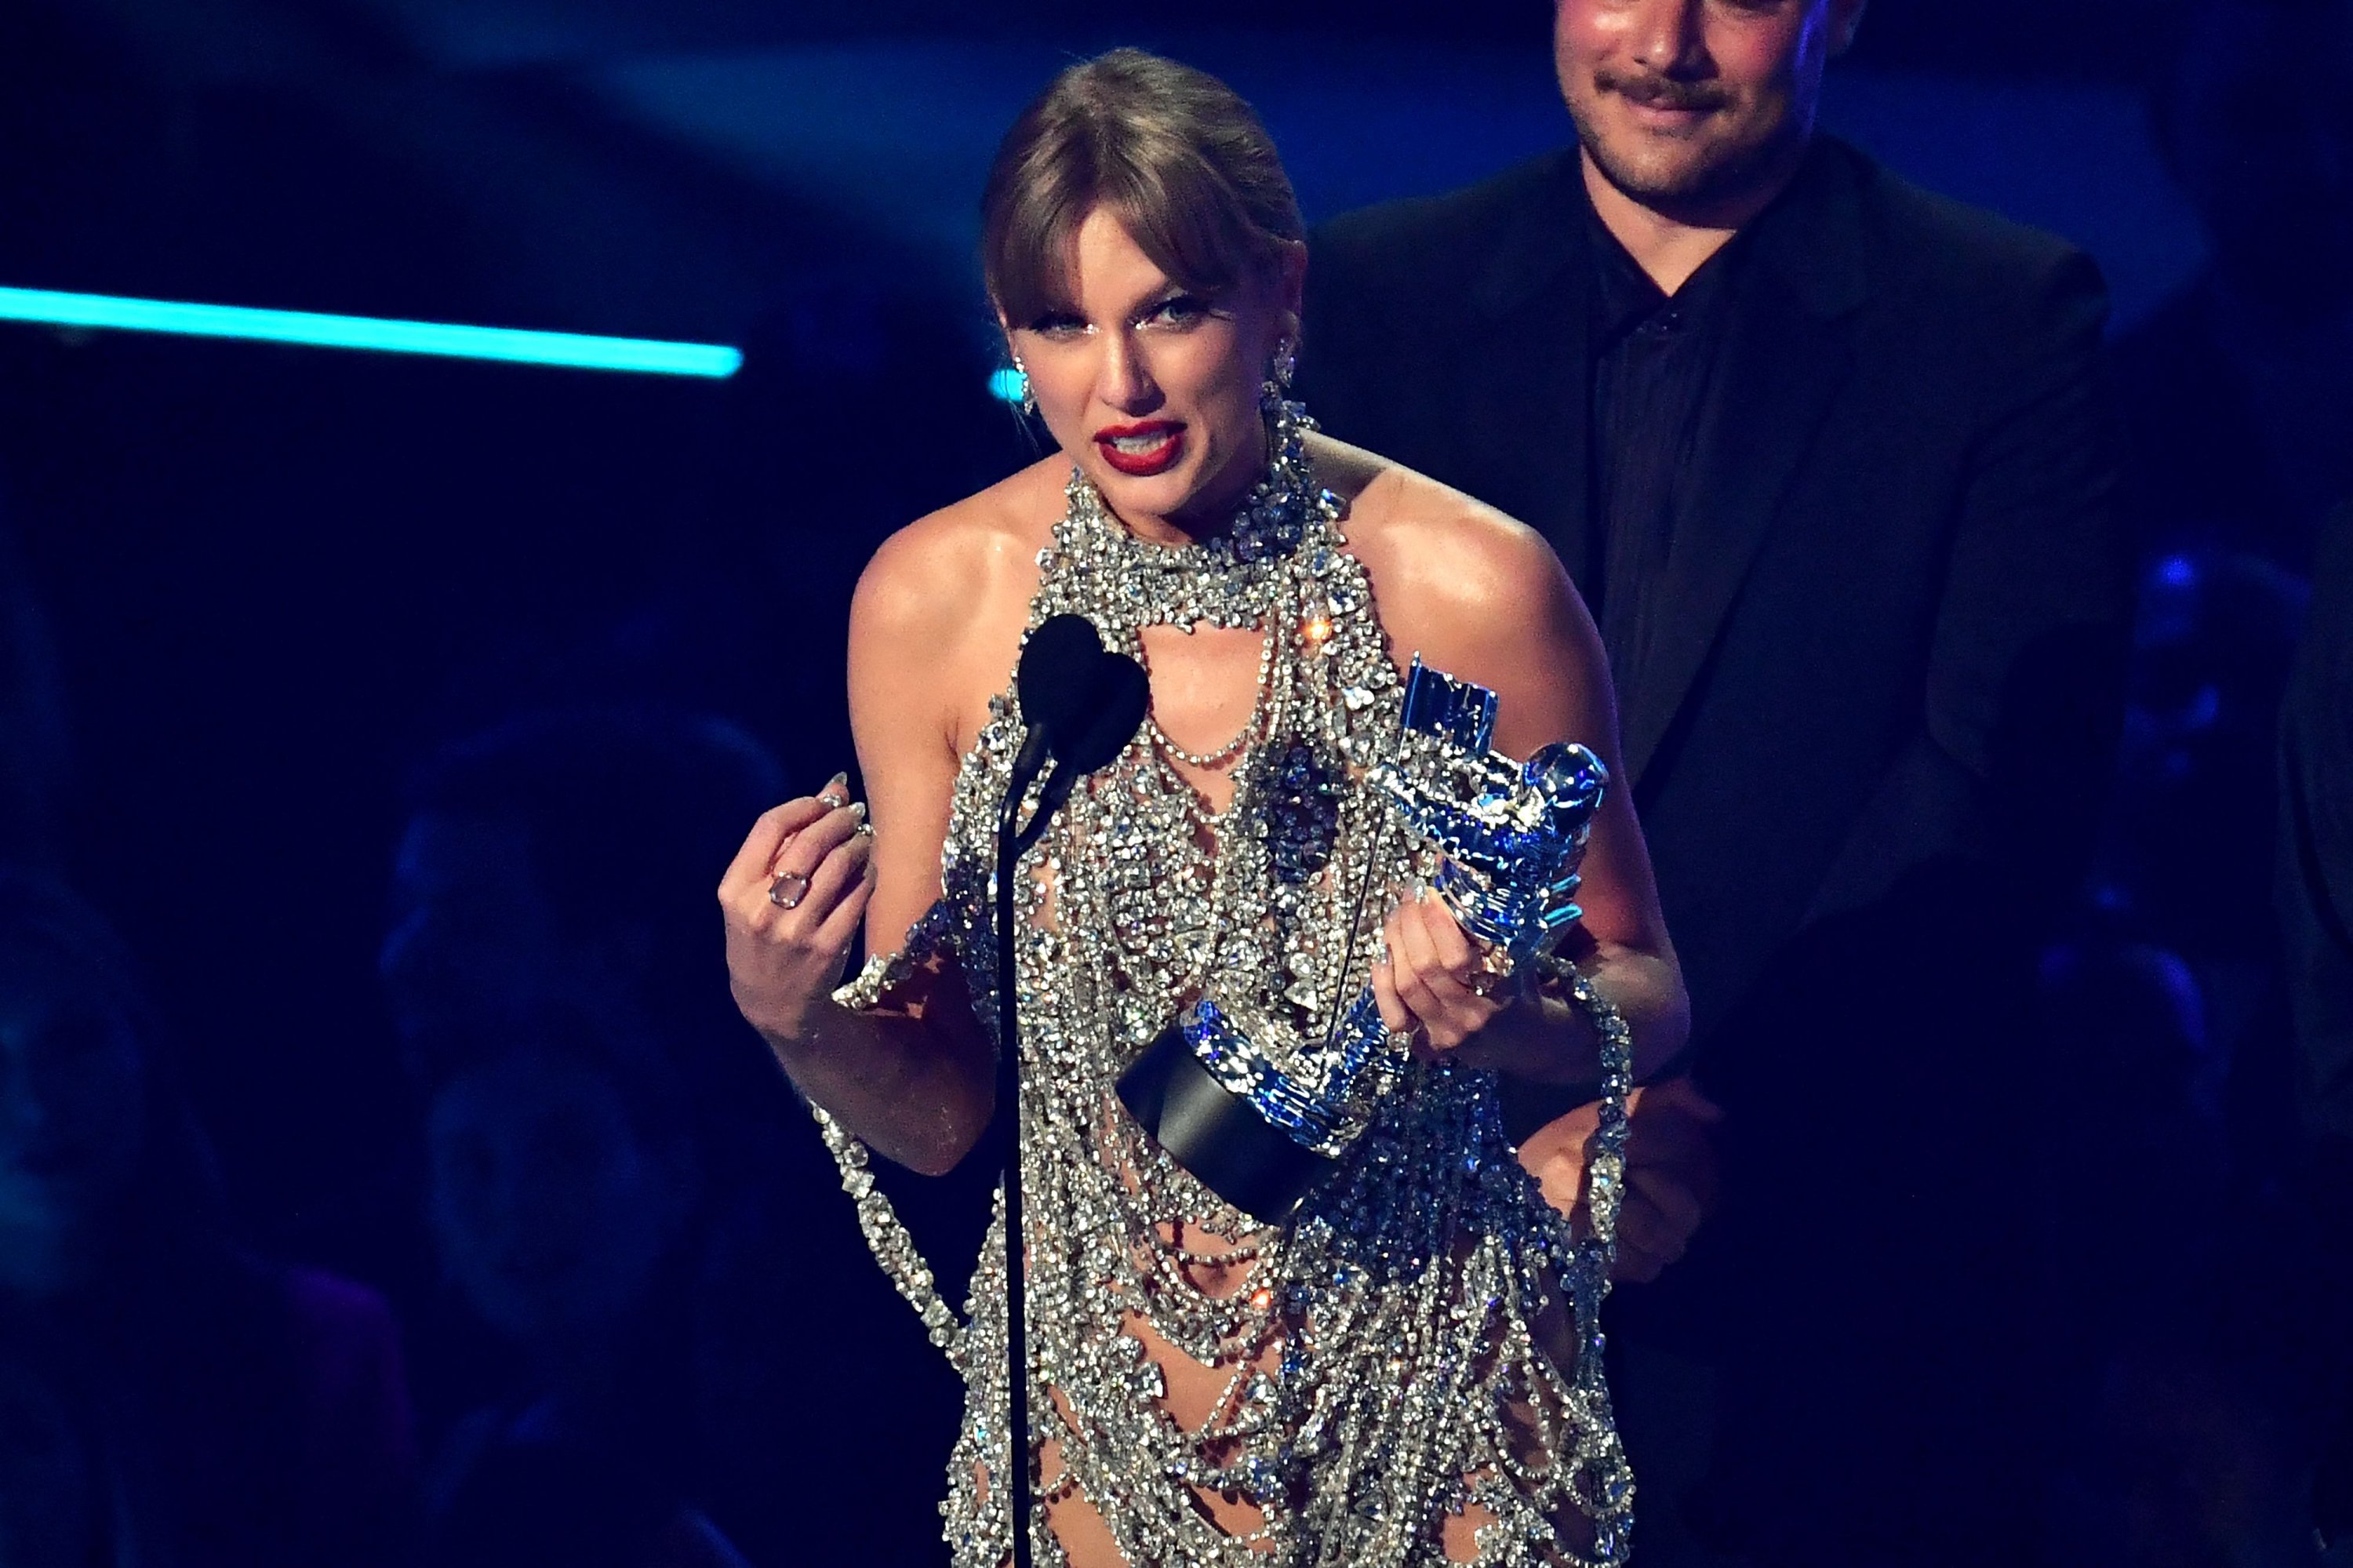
(1141, 450)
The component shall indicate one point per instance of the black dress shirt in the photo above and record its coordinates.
(1654, 395)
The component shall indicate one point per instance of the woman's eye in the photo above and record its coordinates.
(1180, 310)
(1059, 324)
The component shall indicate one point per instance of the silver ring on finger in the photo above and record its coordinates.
(787, 890)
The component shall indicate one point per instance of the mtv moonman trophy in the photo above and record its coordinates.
(1511, 837)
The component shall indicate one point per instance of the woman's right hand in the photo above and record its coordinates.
(793, 898)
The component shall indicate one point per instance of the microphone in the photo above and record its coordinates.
(1116, 699)
(1116, 702)
(1058, 665)
(1082, 706)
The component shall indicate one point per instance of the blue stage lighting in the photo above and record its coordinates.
(574, 349)
(1005, 385)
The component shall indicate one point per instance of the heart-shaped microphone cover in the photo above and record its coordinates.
(1116, 702)
(1057, 674)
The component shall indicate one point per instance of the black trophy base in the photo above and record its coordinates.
(1216, 1135)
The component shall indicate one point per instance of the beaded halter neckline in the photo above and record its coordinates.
(1226, 579)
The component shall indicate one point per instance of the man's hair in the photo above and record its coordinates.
(1173, 152)
(628, 817)
(628, 814)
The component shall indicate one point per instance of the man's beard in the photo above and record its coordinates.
(1724, 173)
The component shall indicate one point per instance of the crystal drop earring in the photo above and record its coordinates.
(1279, 369)
(1028, 399)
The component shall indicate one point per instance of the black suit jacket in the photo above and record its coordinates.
(1898, 595)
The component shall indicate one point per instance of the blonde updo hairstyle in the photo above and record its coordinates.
(1173, 152)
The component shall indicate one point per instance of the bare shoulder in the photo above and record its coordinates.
(1478, 595)
(1449, 572)
(936, 620)
(934, 574)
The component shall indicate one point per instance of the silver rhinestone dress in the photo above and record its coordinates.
(1379, 1358)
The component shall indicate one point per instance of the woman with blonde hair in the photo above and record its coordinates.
(1407, 1372)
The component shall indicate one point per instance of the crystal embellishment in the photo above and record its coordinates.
(1379, 1353)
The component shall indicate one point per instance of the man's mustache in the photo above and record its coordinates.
(1660, 92)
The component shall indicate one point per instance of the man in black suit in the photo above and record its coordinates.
(1830, 459)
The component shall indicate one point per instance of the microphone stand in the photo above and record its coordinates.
(1010, 843)
(1082, 705)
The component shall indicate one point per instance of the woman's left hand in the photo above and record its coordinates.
(1671, 1171)
(1425, 985)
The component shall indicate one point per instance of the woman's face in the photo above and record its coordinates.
(1150, 389)
(549, 1210)
(72, 1116)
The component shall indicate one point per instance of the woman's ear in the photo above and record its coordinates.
(1291, 285)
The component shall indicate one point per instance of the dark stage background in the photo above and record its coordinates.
(277, 617)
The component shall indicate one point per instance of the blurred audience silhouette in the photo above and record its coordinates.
(2205, 1210)
(2186, 856)
(2316, 902)
(566, 1196)
(561, 856)
(2175, 1215)
(603, 1226)
(2239, 391)
(172, 1398)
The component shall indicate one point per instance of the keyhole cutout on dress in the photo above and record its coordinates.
(1208, 699)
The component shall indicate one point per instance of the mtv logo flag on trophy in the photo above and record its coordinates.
(1260, 1117)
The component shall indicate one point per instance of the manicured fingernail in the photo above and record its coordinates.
(841, 778)
(858, 809)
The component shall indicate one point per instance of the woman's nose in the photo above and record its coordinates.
(1125, 378)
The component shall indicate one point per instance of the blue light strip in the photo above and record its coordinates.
(575, 349)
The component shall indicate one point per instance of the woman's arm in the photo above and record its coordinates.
(914, 1077)
(1485, 600)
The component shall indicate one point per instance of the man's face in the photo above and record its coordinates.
(1692, 105)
